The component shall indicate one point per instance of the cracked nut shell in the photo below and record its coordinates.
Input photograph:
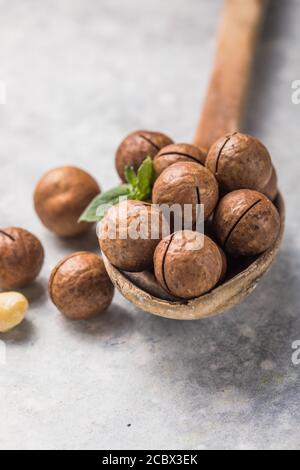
(187, 183)
(240, 161)
(21, 258)
(120, 242)
(177, 153)
(246, 223)
(188, 264)
(80, 287)
(60, 198)
(136, 147)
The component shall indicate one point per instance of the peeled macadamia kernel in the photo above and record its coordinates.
(129, 234)
(187, 183)
(240, 161)
(60, 198)
(80, 287)
(177, 153)
(271, 189)
(136, 147)
(246, 223)
(188, 264)
(13, 307)
(21, 258)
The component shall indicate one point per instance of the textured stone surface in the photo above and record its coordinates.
(80, 76)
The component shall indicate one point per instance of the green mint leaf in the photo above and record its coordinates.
(130, 176)
(139, 188)
(102, 208)
(97, 208)
(145, 178)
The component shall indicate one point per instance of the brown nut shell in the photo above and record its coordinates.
(246, 223)
(129, 234)
(177, 153)
(21, 258)
(80, 287)
(188, 264)
(224, 264)
(240, 161)
(60, 198)
(271, 189)
(136, 147)
(209, 231)
(187, 183)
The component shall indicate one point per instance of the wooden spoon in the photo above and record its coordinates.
(222, 113)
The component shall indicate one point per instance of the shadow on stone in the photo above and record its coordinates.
(22, 334)
(113, 327)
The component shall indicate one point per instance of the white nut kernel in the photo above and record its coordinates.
(13, 307)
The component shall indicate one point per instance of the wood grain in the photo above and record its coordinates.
(228, 88)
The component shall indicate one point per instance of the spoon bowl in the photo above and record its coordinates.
(142, 290)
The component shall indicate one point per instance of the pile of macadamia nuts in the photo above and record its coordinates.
(235, 183)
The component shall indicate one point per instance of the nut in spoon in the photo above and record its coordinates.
(222, 113)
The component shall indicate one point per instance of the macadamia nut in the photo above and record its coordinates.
(271, 189)
(240, 161)
(188, 264)
(136, 147)
(80, 287)
(246, 223)
(177, 153)
(60, 198)
(21, 258)
(187, 183)
(130, 232)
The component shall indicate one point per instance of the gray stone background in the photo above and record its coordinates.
(80, 75)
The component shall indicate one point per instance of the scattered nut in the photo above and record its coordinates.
(187, 183)
(130, 233)
(21, 258)
(246, 223)
(240, 161)
(60, 198)
(79, 286)
(13, 307)
(188, 264)
(136, 147)
(177, 153)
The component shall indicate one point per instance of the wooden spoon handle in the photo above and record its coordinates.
(228, 86)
